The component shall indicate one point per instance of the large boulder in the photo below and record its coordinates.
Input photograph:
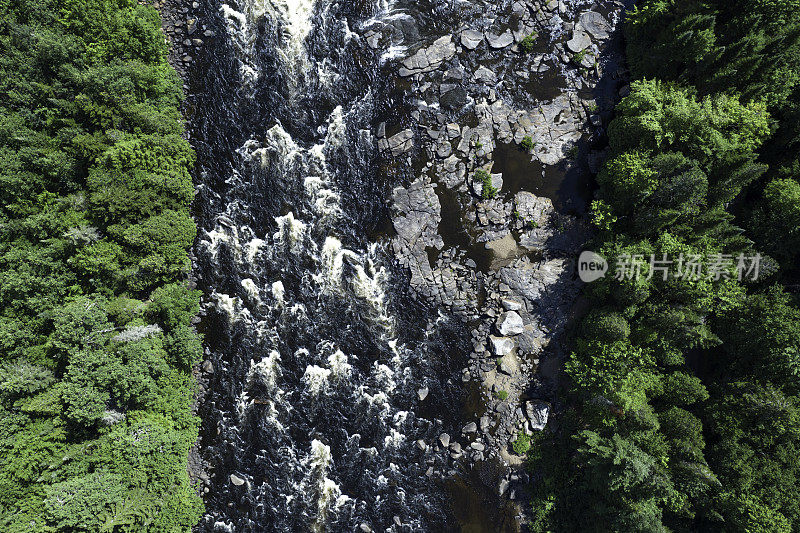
(431, 58)
(399, 143)
(510, 323)
(537, 412)
(485, 74)
(501, 345)
(594, 24)
(500, 41)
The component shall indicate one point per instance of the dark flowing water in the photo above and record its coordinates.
(312, 415)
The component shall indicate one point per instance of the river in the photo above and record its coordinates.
(318, 349)
(333, 380)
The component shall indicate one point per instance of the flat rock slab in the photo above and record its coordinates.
(579, 42)
(594, 24)
(471, 39)
(431, 58)
(500, 41)
(484, 74)
(399, 143)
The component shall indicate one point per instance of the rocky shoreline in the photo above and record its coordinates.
(184, 32)
(471, 92)
(185, 36)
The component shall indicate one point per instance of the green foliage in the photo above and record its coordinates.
(528, 43)
(527, 143)
(96, 344)
(602, 215)
(748, 46)
(521, 444)
(680, 388)
(762, 338)
(605, 326)
(485, 179)
(502, 395)
(578, 57)
(776, 220)
(755, 432)
(658, 116)
(617, 371)
(621, 485)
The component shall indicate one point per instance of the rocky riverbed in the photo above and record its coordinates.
(542, 77)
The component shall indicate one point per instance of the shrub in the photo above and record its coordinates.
(527, 44)
(527, 143)
(487, 190)
(522, 444)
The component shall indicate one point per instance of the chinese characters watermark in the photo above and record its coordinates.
(692, 267)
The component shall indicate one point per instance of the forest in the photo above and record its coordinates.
(96, 335)
(683, 399)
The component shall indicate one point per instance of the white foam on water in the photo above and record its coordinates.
(337, 129)
(278, 291)
(383, 11)
(384, 375)
(242, 403)
(333, 255)
(378, 401)
(219, 237)
(400, 418)
(369, 285)
(252, 248)
(394, 439)
(230, 305)
(339, 365)
(277, 149)
(327, 491)
(298, 310)
(330, 496)
(310, 231)
(252, 290)
(242, 27)
(267, 370)
(297, 17)
(316, 379)
(393, 52)
(326, 201)
(348, 33)
(290, 231)
(220, 526)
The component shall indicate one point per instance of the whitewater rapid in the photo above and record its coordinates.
(311, 422)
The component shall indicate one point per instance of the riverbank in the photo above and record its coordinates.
(185, 34)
